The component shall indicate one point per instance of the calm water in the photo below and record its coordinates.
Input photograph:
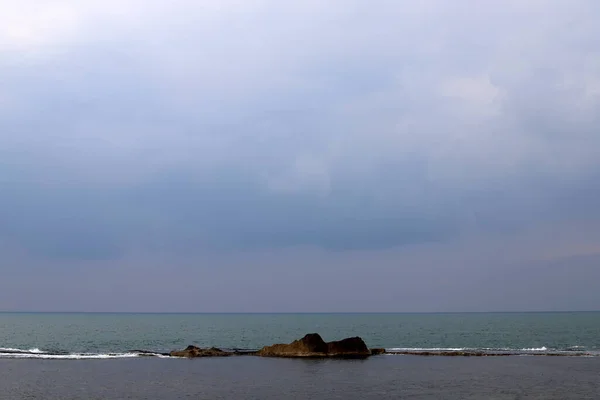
(65, 334)
(86, 356)
(380, 377)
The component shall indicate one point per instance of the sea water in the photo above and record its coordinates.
(92, 356)
(104, 335)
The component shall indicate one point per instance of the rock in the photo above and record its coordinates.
(350, 347)
(376, 352)
(312, 345)
(193, 352)
(147, 353)
(244, 352)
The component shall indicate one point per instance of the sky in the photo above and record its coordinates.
(269, 156)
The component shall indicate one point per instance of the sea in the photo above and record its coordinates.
(122, 356)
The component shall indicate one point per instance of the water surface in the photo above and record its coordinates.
(379, 377)
(41, 334)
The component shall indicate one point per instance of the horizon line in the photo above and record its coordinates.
(296, 312)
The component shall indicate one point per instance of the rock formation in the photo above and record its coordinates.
(313, 346)
(193, 352)
(375, 352)
(353, 346)
(310, 346)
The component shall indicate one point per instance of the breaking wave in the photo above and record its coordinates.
(35, 353)
(392, 349)
(11, 350)
(464, 349)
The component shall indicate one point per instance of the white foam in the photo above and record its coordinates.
(428, 349)
(36, 351)
(544, 348)
(13, 350)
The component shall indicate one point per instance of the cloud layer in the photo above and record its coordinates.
(193, 128)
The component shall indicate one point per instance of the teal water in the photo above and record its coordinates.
(44, 334)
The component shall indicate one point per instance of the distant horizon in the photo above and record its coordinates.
(302, 312)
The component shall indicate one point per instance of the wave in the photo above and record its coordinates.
(500, 351)
(11, 350)
(35, 353)
(392, 349)
(428, 349)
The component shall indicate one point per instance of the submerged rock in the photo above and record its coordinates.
(313, 345)
(148, 353)
(474, 353)
(193, 352)
(375, 352)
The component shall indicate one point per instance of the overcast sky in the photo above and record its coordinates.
(263, 155)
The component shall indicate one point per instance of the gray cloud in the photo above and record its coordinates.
(194, 129)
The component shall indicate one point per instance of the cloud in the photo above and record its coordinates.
(260, 124)
(30, 24)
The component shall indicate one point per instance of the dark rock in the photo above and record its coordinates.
(193, 352)
(376, 352)
(312, 345)
(349, 347)
(244, 352)
(148, 353)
